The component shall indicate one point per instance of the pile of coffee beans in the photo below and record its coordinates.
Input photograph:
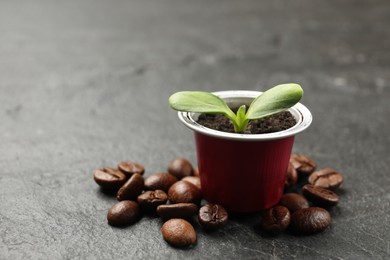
(304, 213)
(175, 196)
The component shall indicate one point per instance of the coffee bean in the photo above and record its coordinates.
(184, 192)
(132, 188)
(320, 196)
(194, 180)
(108, 178)
(275, 220)
(291, 176)
(150, 200)
(129, 168)
(196, 172)
(179, 210)
(180, 168)
(326, 178)
(123, 213)
(310, 220)
(178, 232)
(294, 201)
(303, 164)
(212, 216)
(160, 181)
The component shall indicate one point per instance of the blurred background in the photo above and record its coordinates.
(85, 84)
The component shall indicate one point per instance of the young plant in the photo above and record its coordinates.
(272, 101)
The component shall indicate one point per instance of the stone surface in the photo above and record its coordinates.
(84, 84)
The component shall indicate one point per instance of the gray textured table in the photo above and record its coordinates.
(84, 84)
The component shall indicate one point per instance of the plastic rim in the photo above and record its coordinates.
(299, 111)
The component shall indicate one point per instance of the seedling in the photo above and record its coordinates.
(272, 101)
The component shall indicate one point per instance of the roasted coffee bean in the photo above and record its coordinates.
(150, 200)
(160, 181)
(326, 178)
(320, 196)
(196, 172)
(310, 220)
(108, 178)
(184, 192)
(178, 232)
(132, 188)
(179, 210)
(180, 168)
(275, 220)
(212, 216)
(123, 213)
(291, 176)
(194, 180)
(129, 168)
(294, 201)
(303, 164)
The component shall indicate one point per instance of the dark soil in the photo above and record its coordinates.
(274, 123)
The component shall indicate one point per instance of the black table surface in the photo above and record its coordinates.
(84, 84)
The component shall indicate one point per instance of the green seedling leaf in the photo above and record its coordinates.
(200, 102)
(241, 120)
(275, 100)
